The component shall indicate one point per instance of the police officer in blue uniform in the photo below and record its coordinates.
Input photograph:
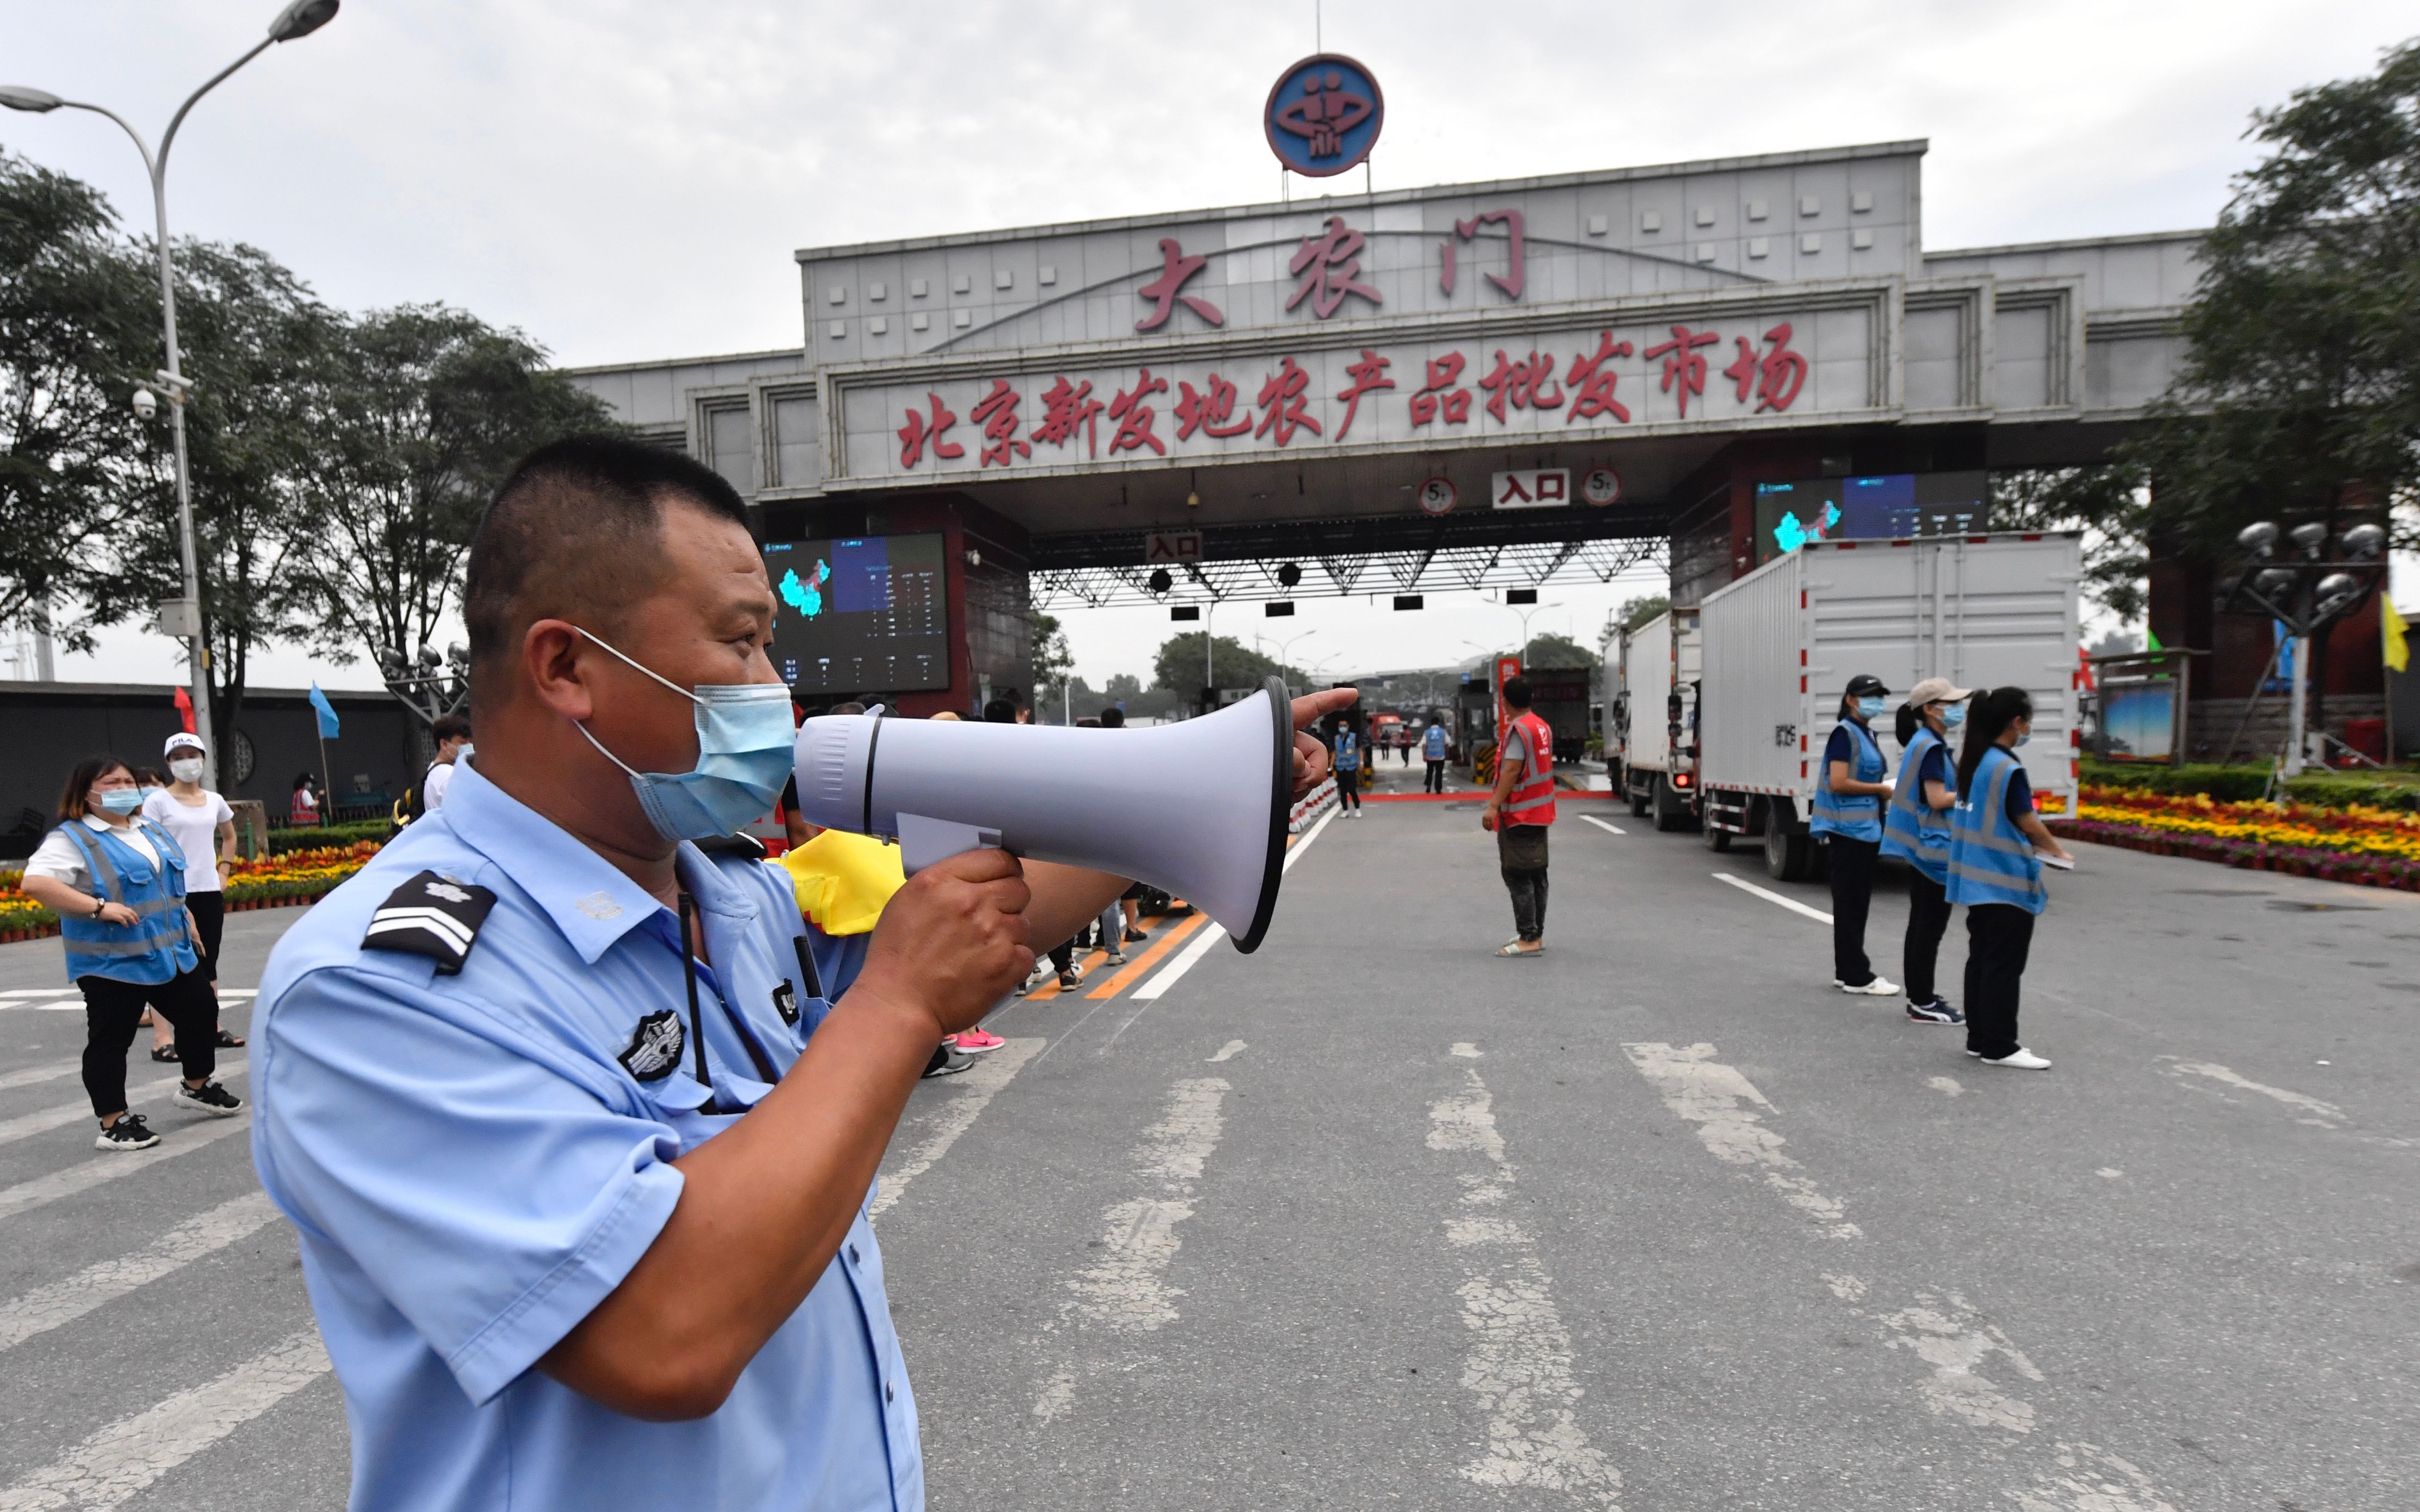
(1997, 843)
(578, 1120)
(1847, 810)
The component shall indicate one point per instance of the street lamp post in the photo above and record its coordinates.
(1285, 646)
(300, 19)
(2309, 593)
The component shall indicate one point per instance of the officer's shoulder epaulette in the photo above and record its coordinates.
(431, 915)
(742, 847)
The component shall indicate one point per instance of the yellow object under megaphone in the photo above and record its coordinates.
(844, 880)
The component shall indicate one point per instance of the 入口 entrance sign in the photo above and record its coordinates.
(1164, 549)
(1531, 489)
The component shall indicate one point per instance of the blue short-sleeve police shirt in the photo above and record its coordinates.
(475, 1160)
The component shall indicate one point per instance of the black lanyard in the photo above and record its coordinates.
(764, 1072)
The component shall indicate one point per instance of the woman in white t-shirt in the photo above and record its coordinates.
(203, 825)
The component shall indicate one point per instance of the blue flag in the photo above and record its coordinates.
(327, 713)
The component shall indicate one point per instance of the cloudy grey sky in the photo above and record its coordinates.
(627, 180)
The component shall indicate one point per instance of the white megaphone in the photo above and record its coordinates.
(1198, 809)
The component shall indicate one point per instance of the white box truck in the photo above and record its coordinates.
(1782, 642)
(1659, 693)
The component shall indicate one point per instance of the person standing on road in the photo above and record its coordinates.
(1519, 809)
(1345, 742)
(1129, 929)
(453, 732)
(117, 883)
(1848, 812)
(1432, 750)
(1916, 828)
(203, 826)
(1996, 843)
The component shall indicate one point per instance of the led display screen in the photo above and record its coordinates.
(865, 615)
(1886, 507)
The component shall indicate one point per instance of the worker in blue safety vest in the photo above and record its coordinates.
(1432, 750)
(1916, 829)
(1345, 742)
(1996, 843)
(1848, 812)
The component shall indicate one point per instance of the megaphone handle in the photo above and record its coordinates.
(923, 841)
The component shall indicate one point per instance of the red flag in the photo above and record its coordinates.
(2083, 671)
(185, 709)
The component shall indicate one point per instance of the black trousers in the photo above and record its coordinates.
(1852, 894)
(111, 1009)
(209, 921)
(1434, 780)
(1348, 788)
(1999, 938)
(1928, 919)
(1521, 856)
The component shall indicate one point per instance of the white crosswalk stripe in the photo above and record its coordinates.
(126, 1458)
(28, 1124)
(101, 1169)
(51, 1071)
(63, 1301)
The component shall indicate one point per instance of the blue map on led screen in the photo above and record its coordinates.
(1790, 534)
(806, 598)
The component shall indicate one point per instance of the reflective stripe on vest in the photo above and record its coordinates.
(1857, 815)
(1533, 799)
(1914, 831)
(1990, 859)
(157, 946)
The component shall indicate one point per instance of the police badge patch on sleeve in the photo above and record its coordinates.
(438, 916)
(785, 1002)
(656, 1046)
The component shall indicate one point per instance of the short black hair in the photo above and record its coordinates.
(999, 711)
(1113, 717)
(574, 533)
(1517, 691)
(451, 727)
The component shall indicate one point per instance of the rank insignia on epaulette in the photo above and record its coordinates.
(438, 916)
(656, 1046)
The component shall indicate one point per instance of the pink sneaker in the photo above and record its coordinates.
(975, 1042)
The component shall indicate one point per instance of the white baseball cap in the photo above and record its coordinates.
(1936, 691)
(183, 740)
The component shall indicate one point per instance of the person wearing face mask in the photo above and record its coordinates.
(117, 883)
(1916, 828)
(1997, 843)
(577, 1118)
(1847, 810)
(203, 826)
(452, 734)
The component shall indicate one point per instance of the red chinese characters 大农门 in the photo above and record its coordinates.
(1330, 266)
(1175, 269)
(1516, 268)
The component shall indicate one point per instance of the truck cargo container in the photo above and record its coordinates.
(1659, 694)
(1560, 696)
(1781, 644)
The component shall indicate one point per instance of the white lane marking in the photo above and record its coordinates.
(37, 992)
(1946, 1085)
(42, 1190)
(1792, 903)
(1948, 1335)
(1714, 1097)
(1846, 1287)
(1465, 1049)
(2098, 1481)
(1058, 1394)
(2110, 1173)
(1519, 1367)
(27, 1126)
(226, 992)
(1172, 973)
(972, 1093)
(50, 1073)
(2322, 1115)
(126, 1458)
(47, 1307)
(1610, 829)
(1228, 1051)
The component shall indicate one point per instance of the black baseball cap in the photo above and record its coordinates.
(1866, 685)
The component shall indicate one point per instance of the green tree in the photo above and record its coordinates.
(2110, 504)
(1178, 666)
(71, 311)
(424, 410)
(1052, 660)
(1635, 612)
(1547, 649)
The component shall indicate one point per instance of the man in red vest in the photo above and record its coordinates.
(1519, 810)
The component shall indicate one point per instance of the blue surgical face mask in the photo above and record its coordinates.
(1954, 715)
(121, 800)
(744, 738)
(2022, 739)
(1872, 707)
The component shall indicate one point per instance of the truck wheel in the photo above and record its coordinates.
(1670, 814)
(1638, 799)
(1716, 840)
(1788, 851)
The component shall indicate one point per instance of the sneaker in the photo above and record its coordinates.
(1879, 987)
(128, 1132)
(2021, 1057)
(1115, 958)
(950, 1064)
(1071, 978)
(208, 1098)
(1136, 937)
(975, 1042)
(1936, 1012)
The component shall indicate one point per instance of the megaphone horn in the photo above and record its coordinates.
(1197, 809)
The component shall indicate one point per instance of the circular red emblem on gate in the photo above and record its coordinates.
(1324, 115)
(1436, 495)
(1601, 487)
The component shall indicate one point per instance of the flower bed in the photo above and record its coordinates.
(272, 882)
(2374, 847)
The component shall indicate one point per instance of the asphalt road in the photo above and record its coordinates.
(1374, 1219)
